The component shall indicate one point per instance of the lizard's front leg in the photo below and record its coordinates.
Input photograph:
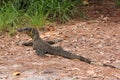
(30, 43)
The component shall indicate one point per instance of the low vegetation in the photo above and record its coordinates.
(35, 12)
(38, 12)
(117, 3)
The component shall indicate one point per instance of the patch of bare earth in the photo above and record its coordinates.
(98, 40)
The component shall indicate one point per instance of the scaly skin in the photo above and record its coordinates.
(43, 48)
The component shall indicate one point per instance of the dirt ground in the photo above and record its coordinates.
(97, 39)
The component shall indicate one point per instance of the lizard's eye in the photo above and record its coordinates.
(29, 32)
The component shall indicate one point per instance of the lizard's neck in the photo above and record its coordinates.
(35, 35)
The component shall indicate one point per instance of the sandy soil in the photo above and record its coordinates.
(98, 40)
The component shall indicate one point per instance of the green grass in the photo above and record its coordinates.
(35, 12)
(8, 15)
(117, 3)
(40, 11)
(61, 10)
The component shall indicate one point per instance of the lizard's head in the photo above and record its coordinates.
(32, 32)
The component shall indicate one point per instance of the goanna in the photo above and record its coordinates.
(41, 47)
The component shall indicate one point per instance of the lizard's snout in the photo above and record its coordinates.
(25, 29)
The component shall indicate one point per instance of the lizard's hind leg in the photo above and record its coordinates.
(41, 52)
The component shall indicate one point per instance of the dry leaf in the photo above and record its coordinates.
(16, 73)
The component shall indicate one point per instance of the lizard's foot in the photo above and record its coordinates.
(27, 43)
(42, 55)
(53, 41)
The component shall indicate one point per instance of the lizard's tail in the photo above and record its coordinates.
(82, 58)
(60, 52)
(74, 56)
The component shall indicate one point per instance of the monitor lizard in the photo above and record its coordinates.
(41, 47)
